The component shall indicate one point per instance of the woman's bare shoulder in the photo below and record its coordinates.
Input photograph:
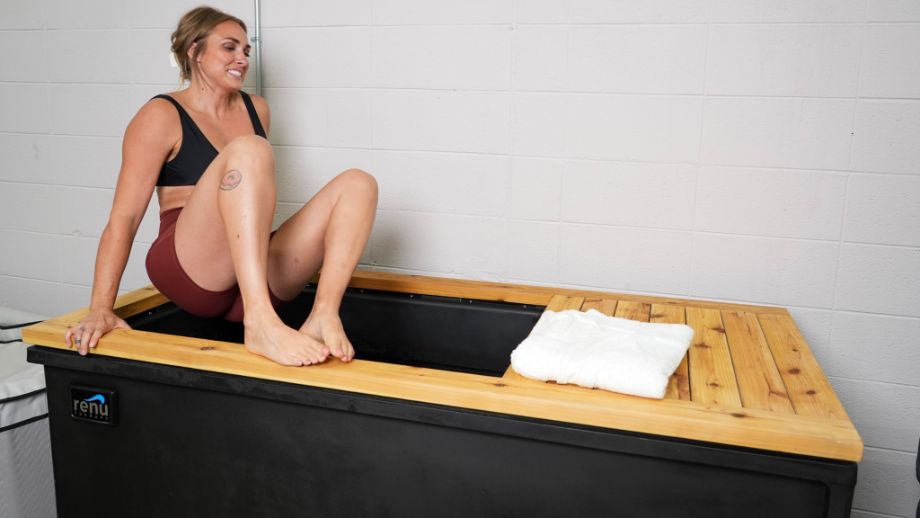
(258, 101)
(261, 106)
(157, 112)
(156, 120)
(153, 134)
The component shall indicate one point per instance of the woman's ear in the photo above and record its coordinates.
(191, 51)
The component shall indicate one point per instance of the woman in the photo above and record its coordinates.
(204, 151)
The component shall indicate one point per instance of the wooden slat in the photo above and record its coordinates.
(712, 377)
(563, 303)
(712, 416)
(519, 293)
(510, 373)
(730, 426)
(759, 381)
(633, 310)
(126, 305)
(557, 303)
(679, 382)
(605, 306)
(809, 389)
(574, 303)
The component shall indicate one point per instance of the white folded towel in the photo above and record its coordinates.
(593, 350)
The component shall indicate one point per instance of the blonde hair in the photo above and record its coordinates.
(194, 27)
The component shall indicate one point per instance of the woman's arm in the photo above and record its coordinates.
(148, 141)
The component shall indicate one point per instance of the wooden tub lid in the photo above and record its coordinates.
(749, 378)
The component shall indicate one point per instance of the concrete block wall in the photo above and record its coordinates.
(761, 152)
(77, 74)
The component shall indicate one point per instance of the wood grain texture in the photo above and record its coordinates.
(573, 303)
(759, 382)
(808, 388)
(557, 303)
(731, 426)
(604, 306)
(712, 376)
(679, 382)
(712, 416)
(633, 310)
(125, 306)
(519, 293)
(510, 373)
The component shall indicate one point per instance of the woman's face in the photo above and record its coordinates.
(225, 59)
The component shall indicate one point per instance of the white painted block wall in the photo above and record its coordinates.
(742, 150)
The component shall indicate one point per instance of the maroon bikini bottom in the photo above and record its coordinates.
(167, 275)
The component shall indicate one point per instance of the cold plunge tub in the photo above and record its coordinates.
(429, 420)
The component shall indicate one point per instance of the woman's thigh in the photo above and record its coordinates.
(297, 248)
(201, 240)
(295, 252)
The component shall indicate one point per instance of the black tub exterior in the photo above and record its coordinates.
(196, 443)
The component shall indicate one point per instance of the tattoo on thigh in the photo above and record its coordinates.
(231, 180)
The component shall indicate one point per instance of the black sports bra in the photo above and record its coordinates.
(195, 152)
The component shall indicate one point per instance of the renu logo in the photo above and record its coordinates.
(92, 404)
(93, 407)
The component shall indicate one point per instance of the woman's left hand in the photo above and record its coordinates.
(87, 333)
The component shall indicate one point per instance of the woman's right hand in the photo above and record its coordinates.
(87, 333)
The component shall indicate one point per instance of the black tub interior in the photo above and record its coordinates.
(421, 330)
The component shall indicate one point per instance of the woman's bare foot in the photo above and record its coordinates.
(327, 328)
(269, 337)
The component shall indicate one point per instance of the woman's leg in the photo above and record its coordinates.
(222, 239)
(331, 231)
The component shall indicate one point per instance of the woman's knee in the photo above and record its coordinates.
(359, 181)
(250, 150)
